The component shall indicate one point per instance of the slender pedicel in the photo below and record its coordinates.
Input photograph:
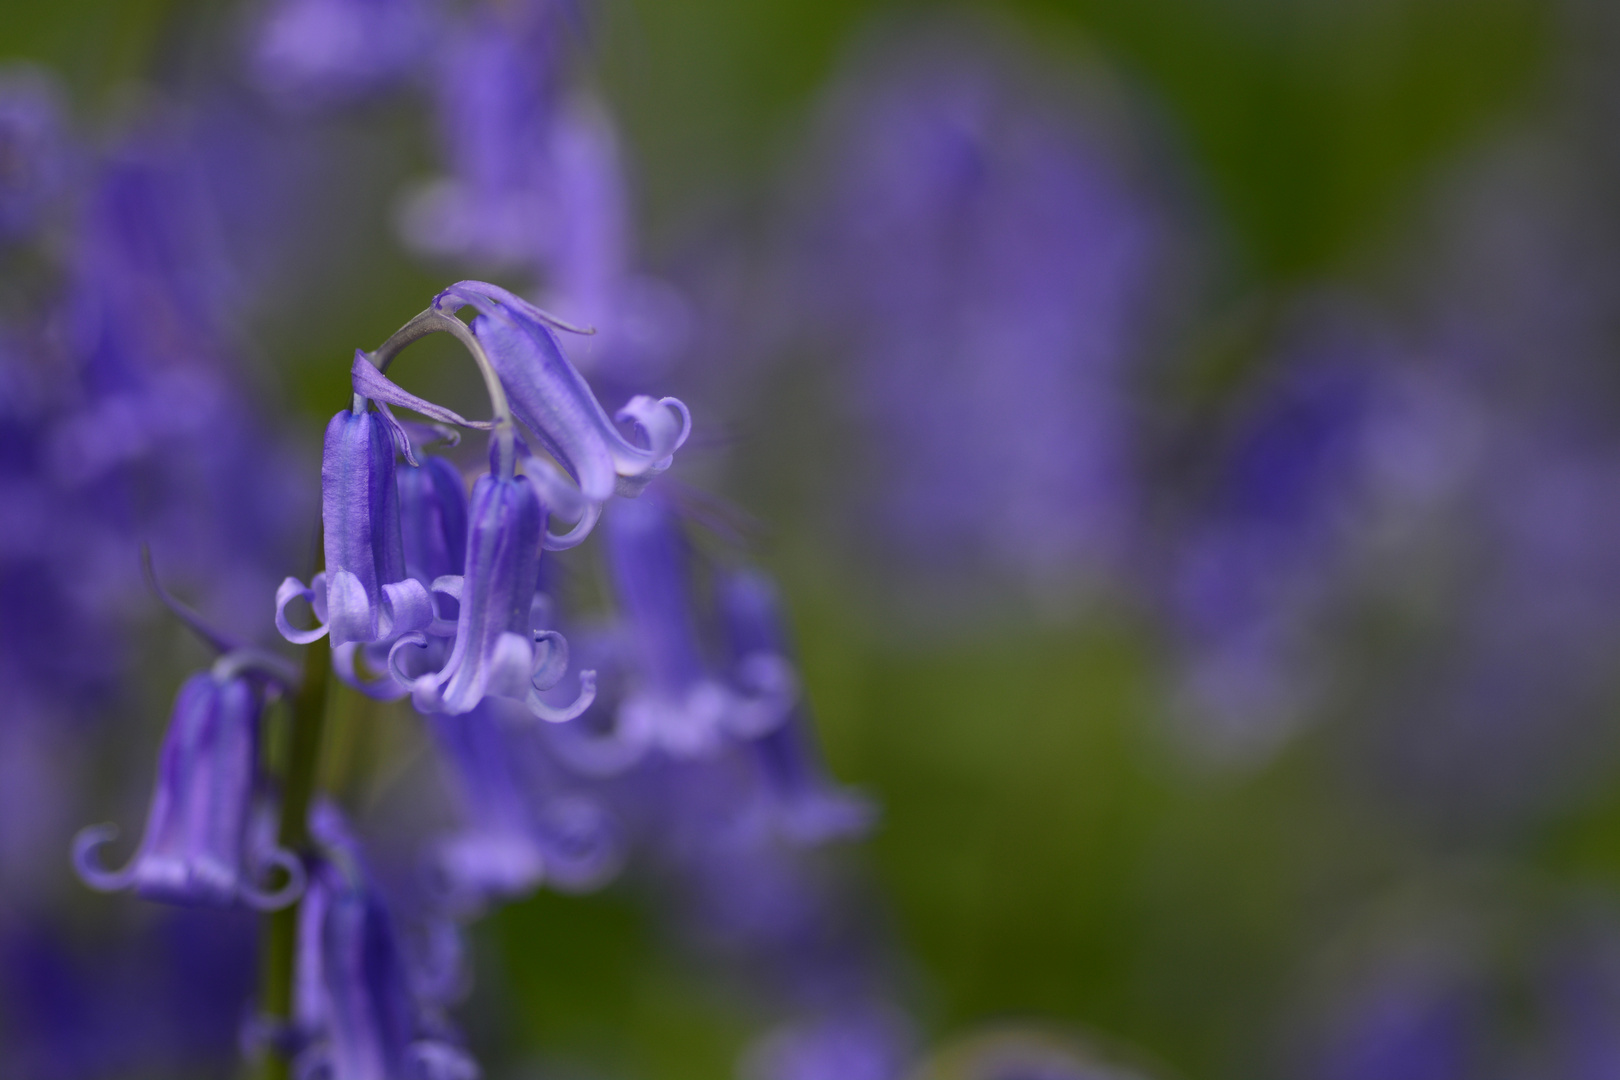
(434, 321)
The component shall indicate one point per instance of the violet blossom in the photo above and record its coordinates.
(676, 702)
(522, 825)
(497, 651)
(808, 806)
(359, 1006)
(199, 846)
(983, 257)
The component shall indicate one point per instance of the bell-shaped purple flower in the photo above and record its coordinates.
(520, 829)
(363, 595)
(433, 531)
(433, 519)
(553, 400)
(677, 704)
(497, 652)
(356, 1001)
(199, 847)
(808, 806)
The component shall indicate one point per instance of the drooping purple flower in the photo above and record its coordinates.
(521, 828)
(433, 533)
(364, 594)
(199, 846)
(496, 90)
(357, 1003)
(676, 703)
(983, 256)
(496, 651)
(551, 398)
(433, 519)
(809, 807)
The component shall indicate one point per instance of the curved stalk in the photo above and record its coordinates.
(433, 321)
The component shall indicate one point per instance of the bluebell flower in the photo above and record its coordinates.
(676, 702)
(496, 90)
(983, 255)
(433, 519)
(433, 532)
(357, 1002)
(364, 595)
(553, 400)
(808, 806)
(497, 650)
(200, 845)
(521, 826)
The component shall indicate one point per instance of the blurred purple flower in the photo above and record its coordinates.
(35, 150)
(535, 182)
(991, 268)
(313, 52)
(808, 806)
(854, 1044)
(675, 702)
(199, 847)
(358, 1003)
(522, 826)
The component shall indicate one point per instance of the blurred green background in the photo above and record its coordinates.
(1043, 851)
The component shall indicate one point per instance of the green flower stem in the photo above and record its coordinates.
(297, 789)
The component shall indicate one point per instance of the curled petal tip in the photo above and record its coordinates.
(90, 840)
(290, 890)
(292, 589)
(552, 714)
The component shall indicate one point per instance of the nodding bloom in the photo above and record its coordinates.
(200, 846)
(516, 341)
(809, 808)
(553, 400)
(675, 702)
(433, 519)
(497, 651)
(364, 594)
(984, 255)
(356, 1003)
(433, 533)
(520, 829)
